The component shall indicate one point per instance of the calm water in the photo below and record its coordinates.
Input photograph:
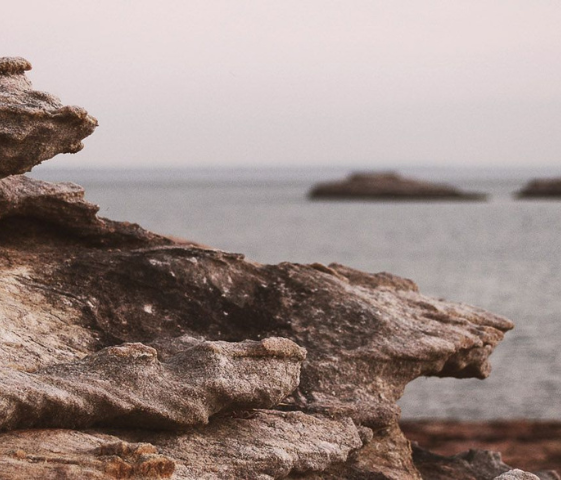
(503, 255)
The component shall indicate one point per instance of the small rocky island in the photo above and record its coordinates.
(128, 355)
(542, 188)
(388, 186)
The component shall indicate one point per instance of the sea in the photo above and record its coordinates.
(503, 255)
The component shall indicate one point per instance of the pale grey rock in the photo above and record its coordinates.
(517, 475)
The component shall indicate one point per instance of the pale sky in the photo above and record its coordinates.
(300, 82)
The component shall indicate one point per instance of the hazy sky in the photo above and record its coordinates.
(300, 82)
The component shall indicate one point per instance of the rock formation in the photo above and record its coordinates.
(125, 354)
(544, 188)
(388, 186)
(35, 126)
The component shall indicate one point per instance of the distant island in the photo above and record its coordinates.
(388, 186)
(541, 188)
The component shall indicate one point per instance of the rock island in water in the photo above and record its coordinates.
(388, 186)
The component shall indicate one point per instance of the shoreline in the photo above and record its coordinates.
(531, 445)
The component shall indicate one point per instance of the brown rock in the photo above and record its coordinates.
(35, 205)
(543, 188)
(367, 335)
(34, 126)
(388, 186)
(127, 385)
(264, 446)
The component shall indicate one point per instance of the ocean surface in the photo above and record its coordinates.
(503, 255)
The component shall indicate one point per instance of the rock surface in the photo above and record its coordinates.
(171, 353)
(388, 186)
(517, 475)
(34, 126)
(367, 335)
(126, 385)
(544, 188)
(265, 446)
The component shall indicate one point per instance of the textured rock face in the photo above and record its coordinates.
(388, 186)
(127, 385)
(367, 335)
(267, 446)
(545, 188)
(34, 126)
(174, 355)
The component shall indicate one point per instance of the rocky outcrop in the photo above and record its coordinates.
(388, 186)
(366, 335)
(543, 188)
(34, 126)
(129, 355)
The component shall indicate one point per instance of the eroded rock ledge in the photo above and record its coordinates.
(35, 125)
(126, 354)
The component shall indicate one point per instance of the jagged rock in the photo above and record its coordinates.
(543, 188)
(34, 126)
(127, 385)
(62, 206)
(388, 186)
(266, 445)
(367, 335)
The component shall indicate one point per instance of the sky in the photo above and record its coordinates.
(302, 83)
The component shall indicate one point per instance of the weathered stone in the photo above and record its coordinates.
(388, 186)
(34, 126)
(267, 445)
(517, 475)
(542, 188)
(264, 446)
(72, 455)
(127, 385)
(61, 206)
(367, 335)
